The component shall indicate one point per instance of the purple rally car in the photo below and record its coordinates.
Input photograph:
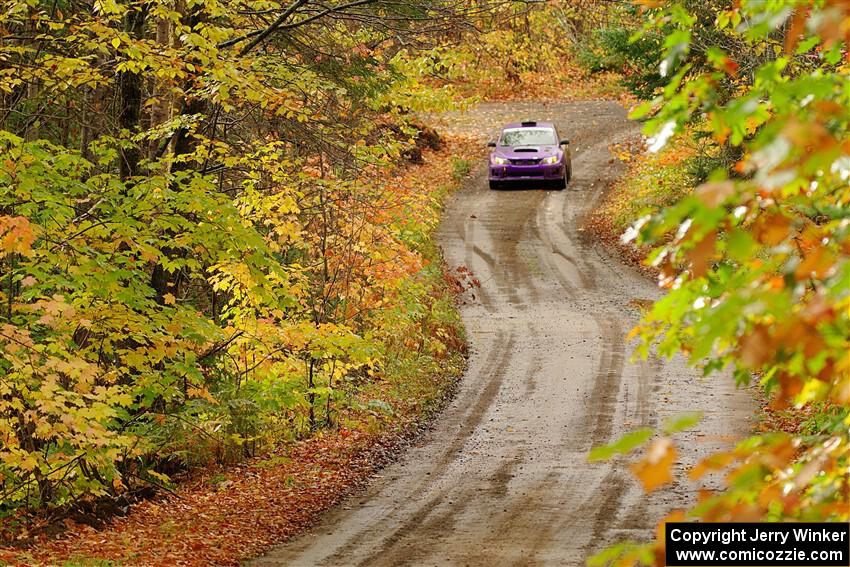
(530, 151)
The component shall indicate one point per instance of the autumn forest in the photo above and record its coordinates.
(228, 295)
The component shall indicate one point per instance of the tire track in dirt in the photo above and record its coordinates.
(609, 373)
(441, 522)
(504, 230)
(496, 373)
(504, 235)
(494, 368)
(608, 377)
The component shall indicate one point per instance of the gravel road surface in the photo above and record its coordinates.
(503, 478)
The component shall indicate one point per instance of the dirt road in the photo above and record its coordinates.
(503, 478)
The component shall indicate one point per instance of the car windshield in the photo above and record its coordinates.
(528, 137)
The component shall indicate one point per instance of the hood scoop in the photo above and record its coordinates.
(526, 150)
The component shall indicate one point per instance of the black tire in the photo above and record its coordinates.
(560, 184)
(495, 185)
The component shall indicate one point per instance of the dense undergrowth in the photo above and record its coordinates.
(286, 485)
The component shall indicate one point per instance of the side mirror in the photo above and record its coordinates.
(491, 144)
(565, 143)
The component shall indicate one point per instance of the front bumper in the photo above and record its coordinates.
(510, 172)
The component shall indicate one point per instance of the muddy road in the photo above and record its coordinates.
(503, 477)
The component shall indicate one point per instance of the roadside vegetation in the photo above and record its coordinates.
(226, 512)
(740, 205)
(652, 181)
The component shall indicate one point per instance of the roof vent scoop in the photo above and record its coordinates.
(528, 123)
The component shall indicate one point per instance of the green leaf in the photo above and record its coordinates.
(623, 445)
(681, 422)
(641, 110)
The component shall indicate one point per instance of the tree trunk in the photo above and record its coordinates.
(162, 281)
(161, 108)
(130, 96)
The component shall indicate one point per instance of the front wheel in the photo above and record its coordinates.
(495, 185)
(561, 183)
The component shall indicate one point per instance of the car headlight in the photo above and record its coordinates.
(552, 159)
(499, 160)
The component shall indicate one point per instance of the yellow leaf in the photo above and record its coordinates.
(169, 299)
(654, 469)
(716, 461)
(201, 393)
(28, 463)
(116, 42)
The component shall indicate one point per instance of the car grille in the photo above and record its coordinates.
(525, 161)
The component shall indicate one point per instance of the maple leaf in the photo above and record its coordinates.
(16, 235)
(702, 254)
(713, 194)
(199, 392)
(654, 469)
